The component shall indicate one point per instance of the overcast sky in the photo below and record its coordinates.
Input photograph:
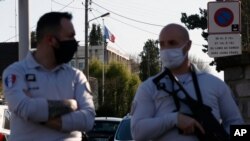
(132, 22)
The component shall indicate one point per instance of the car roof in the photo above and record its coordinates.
(108, 119)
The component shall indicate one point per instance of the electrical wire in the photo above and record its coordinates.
(129, 24)
(65, 6)
(95, 17)
(138, 8)
(134, 20)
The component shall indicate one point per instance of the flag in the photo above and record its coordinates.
(108, 35)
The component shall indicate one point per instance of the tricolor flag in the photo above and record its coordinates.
(108, 35)
(10, 80)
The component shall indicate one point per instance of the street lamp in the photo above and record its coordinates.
(103, 15)
(86, 39)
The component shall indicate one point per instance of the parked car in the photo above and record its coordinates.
(4, 123)
(3, 137)
(104, 129)
(123, 132)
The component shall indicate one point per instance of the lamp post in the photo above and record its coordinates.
(86, 37)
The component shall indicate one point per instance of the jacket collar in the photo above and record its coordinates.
(33, 64)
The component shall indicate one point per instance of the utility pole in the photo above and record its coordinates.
(24, 42)
(86, 40)
(15, 22)
(103, 66)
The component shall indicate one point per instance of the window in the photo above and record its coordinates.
(123, 132)
(81, 65)
(72, 63)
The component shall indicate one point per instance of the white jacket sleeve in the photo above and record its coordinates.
(17, 101)
(229, 111)
(83, 118)
(144, 124)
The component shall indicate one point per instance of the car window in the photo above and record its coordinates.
(105, 126)
(123, 132)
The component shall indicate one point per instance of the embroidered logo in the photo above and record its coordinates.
(10, 80)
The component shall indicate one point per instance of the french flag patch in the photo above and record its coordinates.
(10, 80)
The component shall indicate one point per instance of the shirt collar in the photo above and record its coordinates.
(30, 60)
(197, 71)
(32, 63)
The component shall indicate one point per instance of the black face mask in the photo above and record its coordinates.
(66, 50)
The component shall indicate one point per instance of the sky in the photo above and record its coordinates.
(132, 22)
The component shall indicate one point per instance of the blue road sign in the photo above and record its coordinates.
(223, 17)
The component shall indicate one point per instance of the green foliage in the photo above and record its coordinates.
(95, 68)
(245, 25)
(133, 84)
(120, 87)
(196, 21)
(33, 36)
(33, 39)
(99, 35)
(95, 37)
(150, 64)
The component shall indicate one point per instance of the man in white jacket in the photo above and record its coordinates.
(154, 114)
(48, 99)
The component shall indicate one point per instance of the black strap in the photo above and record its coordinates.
(196, 85)
(161, 86)
(188, 98)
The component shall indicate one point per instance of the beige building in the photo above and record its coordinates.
(111, 54)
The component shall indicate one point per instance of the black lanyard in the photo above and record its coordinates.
(188, 98)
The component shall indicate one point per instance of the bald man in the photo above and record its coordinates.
(155, 114)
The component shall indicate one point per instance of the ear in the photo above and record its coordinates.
(189, 45)
(50, 40)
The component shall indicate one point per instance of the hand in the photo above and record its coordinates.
(55, 123)
(71, 103)
(188, 125)
(57, 108)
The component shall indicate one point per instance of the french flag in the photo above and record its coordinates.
(10, 80)
(108, 35)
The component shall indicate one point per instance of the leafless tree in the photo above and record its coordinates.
(201, 64)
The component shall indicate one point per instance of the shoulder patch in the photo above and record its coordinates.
(10, 80)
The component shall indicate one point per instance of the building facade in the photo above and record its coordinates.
(107, 55)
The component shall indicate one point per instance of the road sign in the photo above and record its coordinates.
(220, 45)
(224, 17)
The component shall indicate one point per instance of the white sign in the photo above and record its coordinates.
(220, 45)
(224, 17)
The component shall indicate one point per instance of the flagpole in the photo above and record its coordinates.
(103, 66)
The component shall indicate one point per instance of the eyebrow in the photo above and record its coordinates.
(169, 42)
(172, 42)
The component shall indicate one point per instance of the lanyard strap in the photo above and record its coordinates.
(188, 99)
(196, 85)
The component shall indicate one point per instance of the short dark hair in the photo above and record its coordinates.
(50, 23)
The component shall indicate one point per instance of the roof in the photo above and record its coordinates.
(8, 54)
(108, 119)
